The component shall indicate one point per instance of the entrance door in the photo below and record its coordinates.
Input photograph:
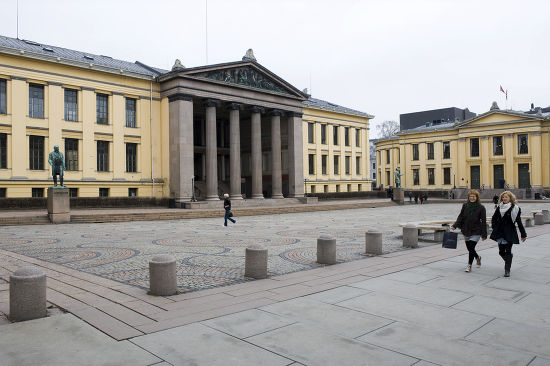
(474, 177)
(498, 176)
(524, 181)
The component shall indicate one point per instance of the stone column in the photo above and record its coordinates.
(211, 151)
(256, 154)
(181, 146)
(235, 151)
(461, 162)
(536, 161)
(510, 145)
(276, 170)
(295, 155)
(484, 165)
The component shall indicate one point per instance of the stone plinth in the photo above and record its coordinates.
(399, 196)
(162, 275)
(27, 294)
(326, 250)
(255, 262)
(58, 203)
(546, 215)
(410, 236)
(373, 242)
(539, 218)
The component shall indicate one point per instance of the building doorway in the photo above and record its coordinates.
(474, 177)
(524, 180)
(498, 176)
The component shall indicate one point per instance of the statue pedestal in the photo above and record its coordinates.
(59, 208)
(399, 196)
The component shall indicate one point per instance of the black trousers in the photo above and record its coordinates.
(471, 245)
(505, 251)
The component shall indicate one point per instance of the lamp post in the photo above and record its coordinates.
(305, 187)
(454, 181)
(193, 199)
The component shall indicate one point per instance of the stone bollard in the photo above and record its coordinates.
(546, 216)
(255, 262)
(162, 275)
(373, 242)
(410, 236)
(529, 222)
(27, 294)
(539, 218)
(326, 250)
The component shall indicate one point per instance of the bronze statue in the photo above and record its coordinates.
(397, 178)
(57, 161)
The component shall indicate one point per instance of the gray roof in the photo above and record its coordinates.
(79, 56)
(324, 105)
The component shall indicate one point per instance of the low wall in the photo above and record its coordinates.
(348, 195)
(84, 202)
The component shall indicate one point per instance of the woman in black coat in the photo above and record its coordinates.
(504, 221)
(472, 222)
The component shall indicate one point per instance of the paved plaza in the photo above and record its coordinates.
(406, 307)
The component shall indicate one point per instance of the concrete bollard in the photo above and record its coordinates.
(162, 275)
(539, 219)
(255, 262)
(410, 236)
(529, 222)
(373, 242)
(326, 250)
(546, 216)
(27, 294)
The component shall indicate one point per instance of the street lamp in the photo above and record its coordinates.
(305, 187)
(454, 181)
(193, 199)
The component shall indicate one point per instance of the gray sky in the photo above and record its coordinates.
(383, 57)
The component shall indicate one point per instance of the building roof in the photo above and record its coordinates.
(76, 58)
(327, 106)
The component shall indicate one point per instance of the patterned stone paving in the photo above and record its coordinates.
(210, 255)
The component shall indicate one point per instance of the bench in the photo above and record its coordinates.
(438, 227)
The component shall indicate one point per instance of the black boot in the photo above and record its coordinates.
(507, 264)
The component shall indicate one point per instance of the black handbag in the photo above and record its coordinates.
(449, 240)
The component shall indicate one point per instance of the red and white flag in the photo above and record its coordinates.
(505, 92)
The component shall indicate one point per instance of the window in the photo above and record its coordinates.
(358, 137)
(103, 192)
(431, 176)
(324, 134)
(336, 164)
(36, 152)
(387, 156)
(337, 188)
(349, 187)
(37, 192)
(497, 145)
(324, 164)
(73, 192)
(325, 188)
(71, 105)
(132, 192)
(3, 97)
(312, 189)
(310, 133)
(335, 135)
(373, 166)
(2, 192)
(430, 148)
(388, 178)
(311, 163)
(130, 112)
(348, 168)
(415, 151)
(357, 165)
(416, 177)
(102, 108)
(374, 175)
(522, 144)
(71, 154)
(474, 147)
(346, 136)
(359, 188)
(36, 101)
(102, 157)
(3, 151)
(446, 150)
(131, 157)
(446, 175)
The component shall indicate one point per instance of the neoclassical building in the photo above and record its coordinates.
(129, 129)
(496, 149)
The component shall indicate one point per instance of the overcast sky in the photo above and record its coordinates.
(383, 57)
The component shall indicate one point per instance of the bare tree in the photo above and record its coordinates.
(387, 129)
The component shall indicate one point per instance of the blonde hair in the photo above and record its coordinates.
(474, 193)
(509, 194)
(225, 195)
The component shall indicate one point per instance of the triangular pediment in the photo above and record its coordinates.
(498, 117)
(249, 75)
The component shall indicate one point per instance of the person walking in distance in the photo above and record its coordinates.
(472, 222)
(227, 207)
(504, 221)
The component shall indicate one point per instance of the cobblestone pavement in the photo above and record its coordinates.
(211, 255)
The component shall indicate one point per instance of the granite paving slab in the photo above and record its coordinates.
(338, 294)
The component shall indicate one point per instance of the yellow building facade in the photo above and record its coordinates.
(497, 149)
(336, 148)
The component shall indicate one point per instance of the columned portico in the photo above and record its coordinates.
(256, 151)
(295, 155)
(276, 178)
(235, 150)
(211, 151)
